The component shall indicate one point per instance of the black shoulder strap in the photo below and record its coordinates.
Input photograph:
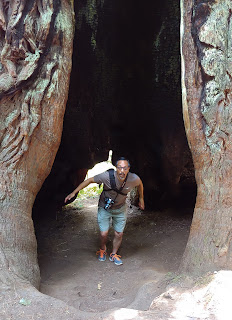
(113, 183)
(112, 179)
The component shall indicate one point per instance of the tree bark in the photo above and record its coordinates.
(206, 54)
(36, 48)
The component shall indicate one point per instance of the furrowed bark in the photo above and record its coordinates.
(36, 48)
(207, 92)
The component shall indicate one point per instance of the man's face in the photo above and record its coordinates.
(122, 169)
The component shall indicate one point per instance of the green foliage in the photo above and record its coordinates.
(90, 192)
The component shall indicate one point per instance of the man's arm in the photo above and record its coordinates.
(81, 186)
(141, 198)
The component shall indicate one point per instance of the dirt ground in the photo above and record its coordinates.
(152, 247)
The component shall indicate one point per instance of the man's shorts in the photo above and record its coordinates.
(118, 217)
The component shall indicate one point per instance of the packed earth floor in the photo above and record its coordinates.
(152, 247)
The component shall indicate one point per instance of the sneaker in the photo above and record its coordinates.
(115, 258)
(101, 255)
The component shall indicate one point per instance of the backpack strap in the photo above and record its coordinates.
(112, 179)
(113, 183)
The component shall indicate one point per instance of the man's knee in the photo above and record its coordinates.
(118, 234)
(104, 234)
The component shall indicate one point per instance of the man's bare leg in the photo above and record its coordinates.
(103, 239)
(102, 252)
(117, 241)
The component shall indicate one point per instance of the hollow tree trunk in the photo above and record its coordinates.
(36, 47)
(206, 43)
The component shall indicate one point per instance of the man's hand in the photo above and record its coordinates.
(141, 204)
(70, 196)
(141, 199)
(81, 186)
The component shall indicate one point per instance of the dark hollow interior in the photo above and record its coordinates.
(125, 96)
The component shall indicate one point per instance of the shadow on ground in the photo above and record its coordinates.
(152, 247)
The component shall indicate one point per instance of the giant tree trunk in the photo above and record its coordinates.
(206, 42)
(36, 47)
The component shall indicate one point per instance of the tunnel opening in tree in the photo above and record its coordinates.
(125, 95)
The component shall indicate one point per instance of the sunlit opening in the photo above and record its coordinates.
(101, 166)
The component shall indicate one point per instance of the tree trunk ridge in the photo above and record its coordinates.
(36, 49)
(207, 92)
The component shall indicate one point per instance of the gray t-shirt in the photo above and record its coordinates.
(132, 181)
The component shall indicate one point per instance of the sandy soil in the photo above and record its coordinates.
(152, 248)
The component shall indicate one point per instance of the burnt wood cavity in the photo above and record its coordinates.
(125, 95)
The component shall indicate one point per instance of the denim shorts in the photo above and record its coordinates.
(118, 217)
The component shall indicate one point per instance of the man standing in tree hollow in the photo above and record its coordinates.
(112, 204)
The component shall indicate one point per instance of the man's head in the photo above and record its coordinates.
(122, 168)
